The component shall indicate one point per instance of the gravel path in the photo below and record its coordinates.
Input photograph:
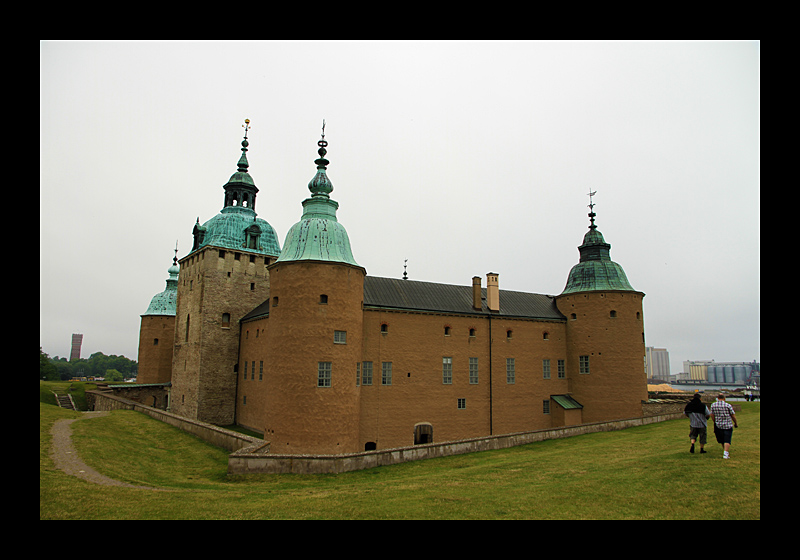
(66, 458)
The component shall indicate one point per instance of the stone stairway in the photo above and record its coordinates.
(64, 400)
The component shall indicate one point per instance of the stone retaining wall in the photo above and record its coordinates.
(226, 439)
(258, 460)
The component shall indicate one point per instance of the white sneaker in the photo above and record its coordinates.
(725, 455)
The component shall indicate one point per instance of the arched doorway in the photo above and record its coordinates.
(423, 433)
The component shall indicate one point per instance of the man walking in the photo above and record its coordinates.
(724, 423)
(697, 413)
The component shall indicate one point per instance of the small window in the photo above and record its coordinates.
(261, 370)
(573, 316)
(472, 332)
(226, 320)
(324, 374)
(511, 374)
(462, 404)
(252, 286)
(384, 328)
(275, 301)
(236, 256)
(155, 342)
(546, 406)
(386, 373)
(546, 369)
(323, 299)
(562, 370)
(545, 335)
(638, 315)
(613, 314)
(447, 331)
(340, 337)
(584, 364)
(509, 334)
(221, 254)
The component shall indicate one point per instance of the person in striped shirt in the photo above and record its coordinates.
(724, 422)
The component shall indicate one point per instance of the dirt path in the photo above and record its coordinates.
(66, 458)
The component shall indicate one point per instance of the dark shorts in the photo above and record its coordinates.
(723, 436)
(699, 434)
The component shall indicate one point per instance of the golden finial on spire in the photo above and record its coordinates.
(246, 127)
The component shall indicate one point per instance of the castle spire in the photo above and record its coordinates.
(320, 185)
(591, 210)
(243, 164)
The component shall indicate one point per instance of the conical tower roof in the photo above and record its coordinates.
(318, 236)
(596, 271)
(165, 302)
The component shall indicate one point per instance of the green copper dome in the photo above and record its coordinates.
(237, 225)
(596, 271)
(318, 235)
(165, 302)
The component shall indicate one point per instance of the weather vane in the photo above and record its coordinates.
(175, 258)
(591, 194)
(405, 269)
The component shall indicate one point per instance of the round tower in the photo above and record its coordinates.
(314, 331)
(157, 332)
(605, 333)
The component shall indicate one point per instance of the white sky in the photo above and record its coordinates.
(462, 157)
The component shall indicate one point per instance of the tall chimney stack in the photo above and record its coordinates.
(476, 293)
(493, 291)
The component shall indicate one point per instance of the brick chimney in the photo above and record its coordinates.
(493, 291)
(476, 293)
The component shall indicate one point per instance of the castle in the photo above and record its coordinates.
(302, 345)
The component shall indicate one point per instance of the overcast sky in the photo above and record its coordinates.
(462, 157)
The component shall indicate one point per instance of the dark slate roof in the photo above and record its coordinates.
(447, 298)
(260, 311)
(394, 293)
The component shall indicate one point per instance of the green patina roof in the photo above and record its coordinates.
(596, 271)
(566, 402)
(237, 225)
(318, 235)
(165, 302)
(228, 230)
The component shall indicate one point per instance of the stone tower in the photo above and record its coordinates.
(605, 333)
(310, 398)
(221, 279)
(157, 332)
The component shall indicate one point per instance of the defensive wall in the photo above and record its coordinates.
(226, 439)
(250, 455)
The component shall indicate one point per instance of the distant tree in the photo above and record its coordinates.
(47, 371)
(113, 375)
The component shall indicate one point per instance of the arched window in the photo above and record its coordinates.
(384, 328)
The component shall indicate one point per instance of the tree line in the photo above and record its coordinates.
(112, 368)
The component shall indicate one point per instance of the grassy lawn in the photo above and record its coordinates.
(638, 473)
